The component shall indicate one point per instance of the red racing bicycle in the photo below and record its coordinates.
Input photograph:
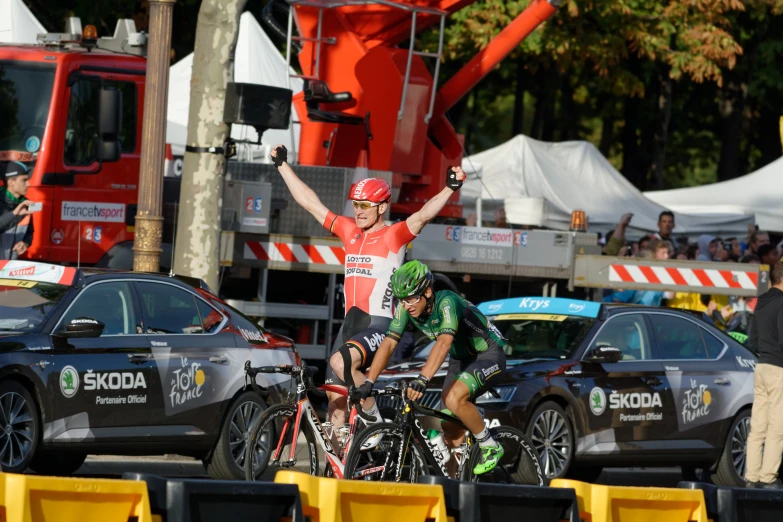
(287, 436)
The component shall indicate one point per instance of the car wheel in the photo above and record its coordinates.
(732, 464)
(20, 426)
(228, 458)
(62, 464)
(553, 437)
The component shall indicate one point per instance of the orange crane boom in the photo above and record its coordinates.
(367, 98)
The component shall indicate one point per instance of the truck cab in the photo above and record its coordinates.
(73, 110)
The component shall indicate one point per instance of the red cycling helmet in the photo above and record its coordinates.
(375, 190)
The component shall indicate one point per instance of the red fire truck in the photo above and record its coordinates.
(73, 105)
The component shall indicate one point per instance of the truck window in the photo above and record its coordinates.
(82, 125)
(25, 95)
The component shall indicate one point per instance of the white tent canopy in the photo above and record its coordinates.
(542, 183)
(759, 192)
(257, 61)
(17, 23)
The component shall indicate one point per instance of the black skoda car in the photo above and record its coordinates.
(597, 385)
(125, 363)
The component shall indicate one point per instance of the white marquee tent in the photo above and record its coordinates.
(541, 183)
(759, 192)
(258, 61)
(17, 23)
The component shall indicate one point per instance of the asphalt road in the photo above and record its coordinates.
(176, 466)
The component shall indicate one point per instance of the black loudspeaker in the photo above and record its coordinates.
(259, 106)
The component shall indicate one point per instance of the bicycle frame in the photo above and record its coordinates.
(411, 427)
(304, 409)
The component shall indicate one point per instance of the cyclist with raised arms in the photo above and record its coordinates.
(461, 332)
(373, 251)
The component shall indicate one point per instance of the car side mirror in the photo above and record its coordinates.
(607, 354)
(109, 125)
(83, 327)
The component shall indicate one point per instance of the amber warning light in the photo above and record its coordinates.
(578, 221)
(90, 33)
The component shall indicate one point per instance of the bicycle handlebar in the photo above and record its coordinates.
(310, 386)
(273, 369)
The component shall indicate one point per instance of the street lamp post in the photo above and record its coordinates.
(149, 219)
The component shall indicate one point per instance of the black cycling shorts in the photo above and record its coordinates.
(363, 332)
(477, 372)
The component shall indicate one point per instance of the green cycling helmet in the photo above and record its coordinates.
(411, 279)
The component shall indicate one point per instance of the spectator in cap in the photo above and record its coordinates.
(16, 224)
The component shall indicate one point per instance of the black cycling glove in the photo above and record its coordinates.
(451, 180)
(281, 155)
(419, 384)
(365, 390)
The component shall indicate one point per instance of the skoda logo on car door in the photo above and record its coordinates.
(597, 401)
(69, 381)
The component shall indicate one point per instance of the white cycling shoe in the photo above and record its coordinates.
(372, 442)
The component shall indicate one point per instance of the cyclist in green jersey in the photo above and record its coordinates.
(473, 343)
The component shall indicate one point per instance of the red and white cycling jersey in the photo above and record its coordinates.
(370, 261)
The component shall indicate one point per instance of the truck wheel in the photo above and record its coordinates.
(228, 458)
(732, 464)
(57, 463)
(20, 427)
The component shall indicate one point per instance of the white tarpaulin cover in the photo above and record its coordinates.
(542, 183)
(759, 192)
(17, 23)
(258, 61)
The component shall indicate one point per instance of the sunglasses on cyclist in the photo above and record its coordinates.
(411, 300)
(364, 205)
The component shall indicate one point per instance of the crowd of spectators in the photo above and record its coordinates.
(754, 248)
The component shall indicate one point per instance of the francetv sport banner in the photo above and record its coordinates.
(469, 244)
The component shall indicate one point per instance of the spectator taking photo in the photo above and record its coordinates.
(16, 224)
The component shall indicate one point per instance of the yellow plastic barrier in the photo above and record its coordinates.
(625, 504)
(332, 500)
(31, 498)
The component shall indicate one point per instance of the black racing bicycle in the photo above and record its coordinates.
(405, 452)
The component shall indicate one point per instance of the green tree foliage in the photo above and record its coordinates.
(614, 67)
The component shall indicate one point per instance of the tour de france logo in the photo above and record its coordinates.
(69, 381)
(597, 401)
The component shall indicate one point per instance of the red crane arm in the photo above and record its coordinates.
(480, 65)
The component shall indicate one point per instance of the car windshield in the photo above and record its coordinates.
(25, 305)
(25, 94)
(541, 335)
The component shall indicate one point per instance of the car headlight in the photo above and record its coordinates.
(505, 392)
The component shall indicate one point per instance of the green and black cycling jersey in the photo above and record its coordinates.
(451, 314)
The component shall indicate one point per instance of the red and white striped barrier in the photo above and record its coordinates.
(698, 277)
(294, 253)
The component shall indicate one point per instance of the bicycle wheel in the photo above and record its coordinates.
(265, 437)
(382, 462)
(519, 464)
